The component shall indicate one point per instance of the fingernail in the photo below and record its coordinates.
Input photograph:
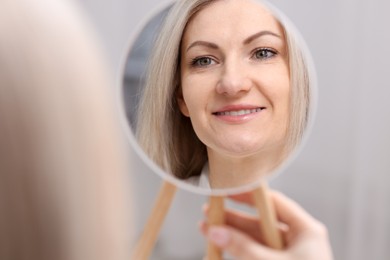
(205, 208)
(200, 223)
(220, 236)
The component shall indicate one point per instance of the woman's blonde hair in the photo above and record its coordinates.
(63, 184)
(167, 136)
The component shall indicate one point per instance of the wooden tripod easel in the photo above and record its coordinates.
(262, 202)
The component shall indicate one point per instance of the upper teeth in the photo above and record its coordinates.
(238, 112)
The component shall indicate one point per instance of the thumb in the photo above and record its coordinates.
(238, 244)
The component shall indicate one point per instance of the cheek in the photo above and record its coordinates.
(277, 89)
(183, 107)
(195, 94)
(190, 99)
(284, 103)
(278, 92)
(281, 84)
(282, 98)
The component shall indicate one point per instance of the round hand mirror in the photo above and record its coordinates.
(218, 94)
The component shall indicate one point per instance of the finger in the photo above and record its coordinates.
(238, 244)
(203, 227)
(245, 198)
(287, 210)
(290, 213)
(205, 208)
(246, 223)
(236, 218)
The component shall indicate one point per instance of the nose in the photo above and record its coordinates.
(233, 80)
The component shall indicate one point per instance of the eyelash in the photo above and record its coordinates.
(268, 50)
(196, 61)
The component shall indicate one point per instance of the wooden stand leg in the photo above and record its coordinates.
(268, 223)
(216, 217)
(148, 238)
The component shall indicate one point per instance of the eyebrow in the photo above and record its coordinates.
(246, 41)
(260, 34)
(203, 43)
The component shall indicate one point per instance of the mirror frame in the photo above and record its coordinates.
(180, 183)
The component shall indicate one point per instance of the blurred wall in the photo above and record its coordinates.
(342, 176)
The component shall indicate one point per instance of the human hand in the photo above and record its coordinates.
(305, 238)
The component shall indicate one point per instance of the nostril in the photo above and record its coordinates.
(233, 86)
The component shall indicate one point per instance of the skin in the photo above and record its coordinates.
(234, 58)
(305, 237)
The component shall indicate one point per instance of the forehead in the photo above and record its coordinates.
(227, 18)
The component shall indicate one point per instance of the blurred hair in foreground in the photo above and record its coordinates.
(63, 170)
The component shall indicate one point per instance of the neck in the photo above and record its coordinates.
(229, 171)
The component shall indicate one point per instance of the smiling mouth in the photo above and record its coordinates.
(240, 112)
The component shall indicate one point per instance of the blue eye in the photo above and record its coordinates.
(264, 53)
(202, 62)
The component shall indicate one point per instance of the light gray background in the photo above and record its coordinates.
(342, 176)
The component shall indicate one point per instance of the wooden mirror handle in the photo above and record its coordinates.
(215, 217)
(145, 245)
(268, 223)
(262, 201)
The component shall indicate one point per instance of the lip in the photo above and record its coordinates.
(238, 113)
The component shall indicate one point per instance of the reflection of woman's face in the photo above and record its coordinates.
(235, 78)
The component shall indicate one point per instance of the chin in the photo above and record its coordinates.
(248, 149)
(244, 150)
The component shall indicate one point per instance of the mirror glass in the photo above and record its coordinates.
(218, 94)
